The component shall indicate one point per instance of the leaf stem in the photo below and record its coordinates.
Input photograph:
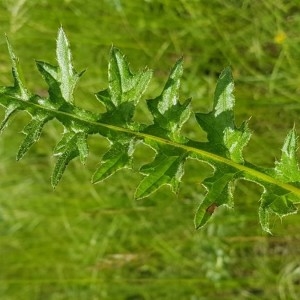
(202, 153)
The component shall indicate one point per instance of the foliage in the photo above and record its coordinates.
(222, 150)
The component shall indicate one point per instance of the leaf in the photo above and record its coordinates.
(274, 201)
(226, 140)
(67, 76)
(287, 169)
(123, 85)
(119, 156)
(71, 145)
(19, 87)
(224, 137)
(169, 115)
(166, 169)
(17, 91)
(223, 150)
(50, 74)
(124, 90)
(10, 110)
(220, 189)
(278, 201)
(32, 131)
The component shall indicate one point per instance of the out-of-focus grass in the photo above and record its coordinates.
(85, 241)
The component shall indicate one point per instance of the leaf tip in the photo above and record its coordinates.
(61, 33)
(114, 51)
(54, 185)
(19, 156)
(54, 181)
(138, 196)
(201, 220)
(11, 52)
(96, 178)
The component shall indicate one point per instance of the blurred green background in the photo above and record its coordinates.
(85, 241)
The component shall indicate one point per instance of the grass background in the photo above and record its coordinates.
(85, 241)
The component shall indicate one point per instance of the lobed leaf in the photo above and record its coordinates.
(166, 169)
(223, 150)
(50, 75)
(224, 137)
(220, 188)
(18, 90)
(10, 110)
(124, 90)
(169, 115)
(119, 156)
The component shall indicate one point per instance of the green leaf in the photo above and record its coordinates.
(224, 98)
(67, 76)
(10, 110)
(124, 90)
(287, 169)
(274, 202)
(224, 137)
(19, 87)
(166, 169)
(223, 150)
(169, 115)
(123, 85)
(71, 145)
(50, 74)
(82, 146)
(119, 156)
(220, 188)
(19, 91)
(33, 132)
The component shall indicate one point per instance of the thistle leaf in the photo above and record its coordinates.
(50, 75)
(82, 146)
(124, 89)
(226, 140)
(67, 76)
(32, 131)
(169, 115)
(220, 189)
(275, 200)
(224, 137)
(19, 91)
(223, 150)
(19, 87)
(10, 110)
(71, 145)
(287, 169)
(119, 156)
(166, 169)
(123, 85)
